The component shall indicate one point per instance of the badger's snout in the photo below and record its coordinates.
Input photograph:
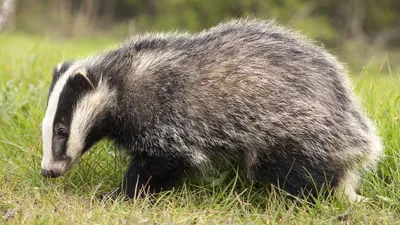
(50, 173)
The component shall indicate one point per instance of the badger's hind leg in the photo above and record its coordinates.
(299, 174)
(153, 174)
(304, 177)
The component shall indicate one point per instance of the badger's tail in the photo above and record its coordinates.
(372, 155)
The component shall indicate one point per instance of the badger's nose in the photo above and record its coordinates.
(49, 173)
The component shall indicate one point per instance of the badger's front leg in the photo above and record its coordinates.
(153, 174)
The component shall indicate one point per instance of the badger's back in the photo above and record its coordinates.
(246, 91)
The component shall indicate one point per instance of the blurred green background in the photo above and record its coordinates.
(364, 33)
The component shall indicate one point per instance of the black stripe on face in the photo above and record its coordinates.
(75, 88)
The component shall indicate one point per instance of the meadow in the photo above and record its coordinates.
(28, 198)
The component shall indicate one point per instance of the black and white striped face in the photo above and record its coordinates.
(75, 117)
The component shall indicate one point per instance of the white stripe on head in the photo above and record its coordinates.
(88, 109)
(48, 120)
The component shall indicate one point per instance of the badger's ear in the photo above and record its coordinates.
(82, 80)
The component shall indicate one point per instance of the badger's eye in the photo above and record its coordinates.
(62, 132)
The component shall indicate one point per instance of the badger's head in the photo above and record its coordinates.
(76, 116)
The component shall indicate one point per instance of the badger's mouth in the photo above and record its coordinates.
(58, 168)
(50, 173)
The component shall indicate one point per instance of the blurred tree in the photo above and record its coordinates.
(6, 13)
(370, 21)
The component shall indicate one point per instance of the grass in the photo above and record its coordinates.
(27, 198)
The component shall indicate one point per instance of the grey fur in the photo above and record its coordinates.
(245, 92)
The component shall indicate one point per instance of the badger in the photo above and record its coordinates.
(246, 92)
